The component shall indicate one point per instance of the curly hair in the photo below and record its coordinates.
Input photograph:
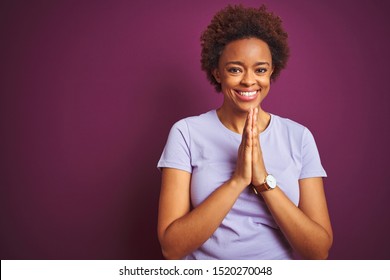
(237, 22)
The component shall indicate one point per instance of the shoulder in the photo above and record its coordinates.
(288, 125)
(193, 122)
(292, 131)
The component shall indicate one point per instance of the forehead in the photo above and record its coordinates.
(246, 50)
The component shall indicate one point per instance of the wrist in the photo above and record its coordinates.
(268, 184)
(260, 179)
(237, 183)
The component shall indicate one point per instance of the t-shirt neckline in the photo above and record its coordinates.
(235, 134)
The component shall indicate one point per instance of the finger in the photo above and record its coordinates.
(254, 124)
(255, 129)
(249, 143)
(244, 161)
(256, 150)
(244, 138)
(258, 168)
(248, 129)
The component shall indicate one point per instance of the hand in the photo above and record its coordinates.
(243, 172)
(258, 168)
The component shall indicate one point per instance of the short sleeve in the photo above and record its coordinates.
(176, 153)
(311, 162)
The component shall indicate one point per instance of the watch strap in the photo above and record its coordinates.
(261, 188)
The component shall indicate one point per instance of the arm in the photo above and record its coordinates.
(306, 227)
(181, 230)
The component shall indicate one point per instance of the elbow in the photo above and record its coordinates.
(171, 247)
(323, 255)
(319, 254)
(321, 251)
(170, 254)
(168, 249)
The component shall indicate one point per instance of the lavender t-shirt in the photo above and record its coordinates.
(204, 147)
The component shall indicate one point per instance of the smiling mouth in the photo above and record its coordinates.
(247, 93)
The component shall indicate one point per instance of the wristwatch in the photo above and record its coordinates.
(269, 184)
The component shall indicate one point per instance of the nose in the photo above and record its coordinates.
(248, 79)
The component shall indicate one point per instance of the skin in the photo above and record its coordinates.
(244, 65)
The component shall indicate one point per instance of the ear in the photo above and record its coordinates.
(216, 75)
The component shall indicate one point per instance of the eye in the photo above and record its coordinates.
(261, 70)
(234, 70)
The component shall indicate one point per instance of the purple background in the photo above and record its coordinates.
(90, 89)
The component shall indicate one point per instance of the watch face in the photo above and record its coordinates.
(271, 181)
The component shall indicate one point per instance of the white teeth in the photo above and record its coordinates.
(247, 93)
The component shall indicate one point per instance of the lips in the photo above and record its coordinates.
(246, 95)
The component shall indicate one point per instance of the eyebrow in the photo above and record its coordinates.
(242, 64)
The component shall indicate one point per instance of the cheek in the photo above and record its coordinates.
(230, 80)
(229, 83)
(265, 82)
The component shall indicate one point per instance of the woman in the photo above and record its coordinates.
(239, 182)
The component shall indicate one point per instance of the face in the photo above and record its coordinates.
(244, 72)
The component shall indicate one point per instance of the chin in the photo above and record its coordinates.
(247, 106)
(245, 109)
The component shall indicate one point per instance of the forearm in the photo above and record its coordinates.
(307, 237)
(189, 232)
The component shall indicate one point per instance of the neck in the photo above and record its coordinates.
(235, 120)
